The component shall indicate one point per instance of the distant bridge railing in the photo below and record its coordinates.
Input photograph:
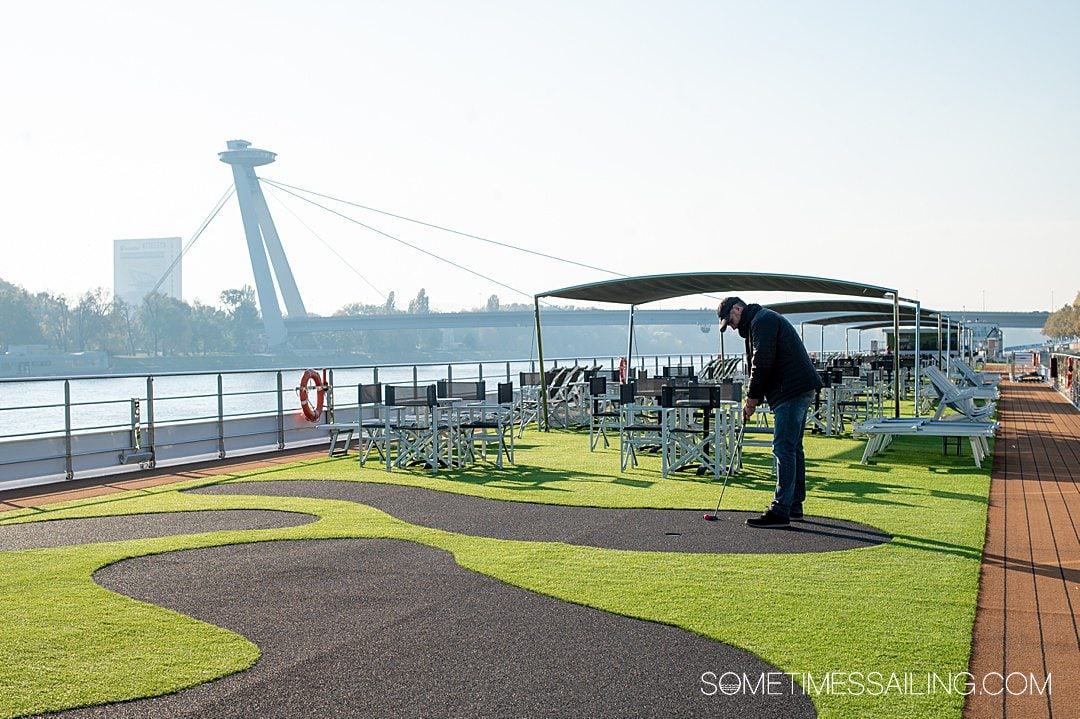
(502, 318)
(705, 318)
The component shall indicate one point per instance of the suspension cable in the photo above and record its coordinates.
(401, 241)
(327, 244)
(198, 233)
(282, 185)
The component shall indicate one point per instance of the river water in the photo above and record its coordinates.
(35, 407)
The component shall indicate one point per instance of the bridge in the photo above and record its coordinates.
(266, 252)
(704, 318)
(1005, 320)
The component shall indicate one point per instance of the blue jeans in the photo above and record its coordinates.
(789, 420)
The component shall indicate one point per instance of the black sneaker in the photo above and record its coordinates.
(768, 519)
(795, 514)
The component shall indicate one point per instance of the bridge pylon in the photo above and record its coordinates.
(263, 240)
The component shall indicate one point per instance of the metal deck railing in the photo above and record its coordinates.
(55, 429)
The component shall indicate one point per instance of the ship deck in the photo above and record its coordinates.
(1029, 593)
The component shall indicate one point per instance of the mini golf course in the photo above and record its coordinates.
(434, 598)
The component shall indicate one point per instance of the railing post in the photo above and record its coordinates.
(220, 418)
(330, 395)
(69, 467)
(136, 424)
(415, 382)
(507, 371)
(449, 373)
(280, 414)
(150, 421)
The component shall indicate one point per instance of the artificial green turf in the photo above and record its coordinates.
(903, 607)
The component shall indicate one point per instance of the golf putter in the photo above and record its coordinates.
(730, 469)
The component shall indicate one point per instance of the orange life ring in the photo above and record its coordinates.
(312, 410)
(622, 370)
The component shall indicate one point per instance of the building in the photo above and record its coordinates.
(140, 265)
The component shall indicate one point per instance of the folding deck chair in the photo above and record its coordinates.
(603, 411)
(484, 425)
(527, 410)
(411, 423)
(373, 426)
(639, 426)
(698, 429)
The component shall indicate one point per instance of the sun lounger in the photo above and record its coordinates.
(976, 379)
(961, 400)
(880, 433)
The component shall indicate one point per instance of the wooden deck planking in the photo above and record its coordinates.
(1026, 620)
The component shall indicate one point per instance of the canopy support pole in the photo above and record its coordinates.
(939, 339)
(918, 353)
(540, 352)
(896, 352)
(722, 357)
(948, 345)
(630, 344)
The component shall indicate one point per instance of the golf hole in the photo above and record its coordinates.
(673, 534)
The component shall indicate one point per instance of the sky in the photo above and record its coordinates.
(927, 146)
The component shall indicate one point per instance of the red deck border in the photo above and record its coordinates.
(94, 486)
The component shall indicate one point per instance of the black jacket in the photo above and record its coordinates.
(779, 366)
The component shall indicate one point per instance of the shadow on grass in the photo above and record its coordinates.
(856, 492)
(511, 477)
(827, 528)
(869, 491)
(932, 545)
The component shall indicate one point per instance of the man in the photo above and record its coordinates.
(780, 372)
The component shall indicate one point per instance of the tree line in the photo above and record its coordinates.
(164, 326)
(159, 325)
(1065, 322)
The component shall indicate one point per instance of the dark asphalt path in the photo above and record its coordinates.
(385, 628)
(662, 530)
(65, 532)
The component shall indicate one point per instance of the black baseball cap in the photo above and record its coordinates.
(724, 310)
